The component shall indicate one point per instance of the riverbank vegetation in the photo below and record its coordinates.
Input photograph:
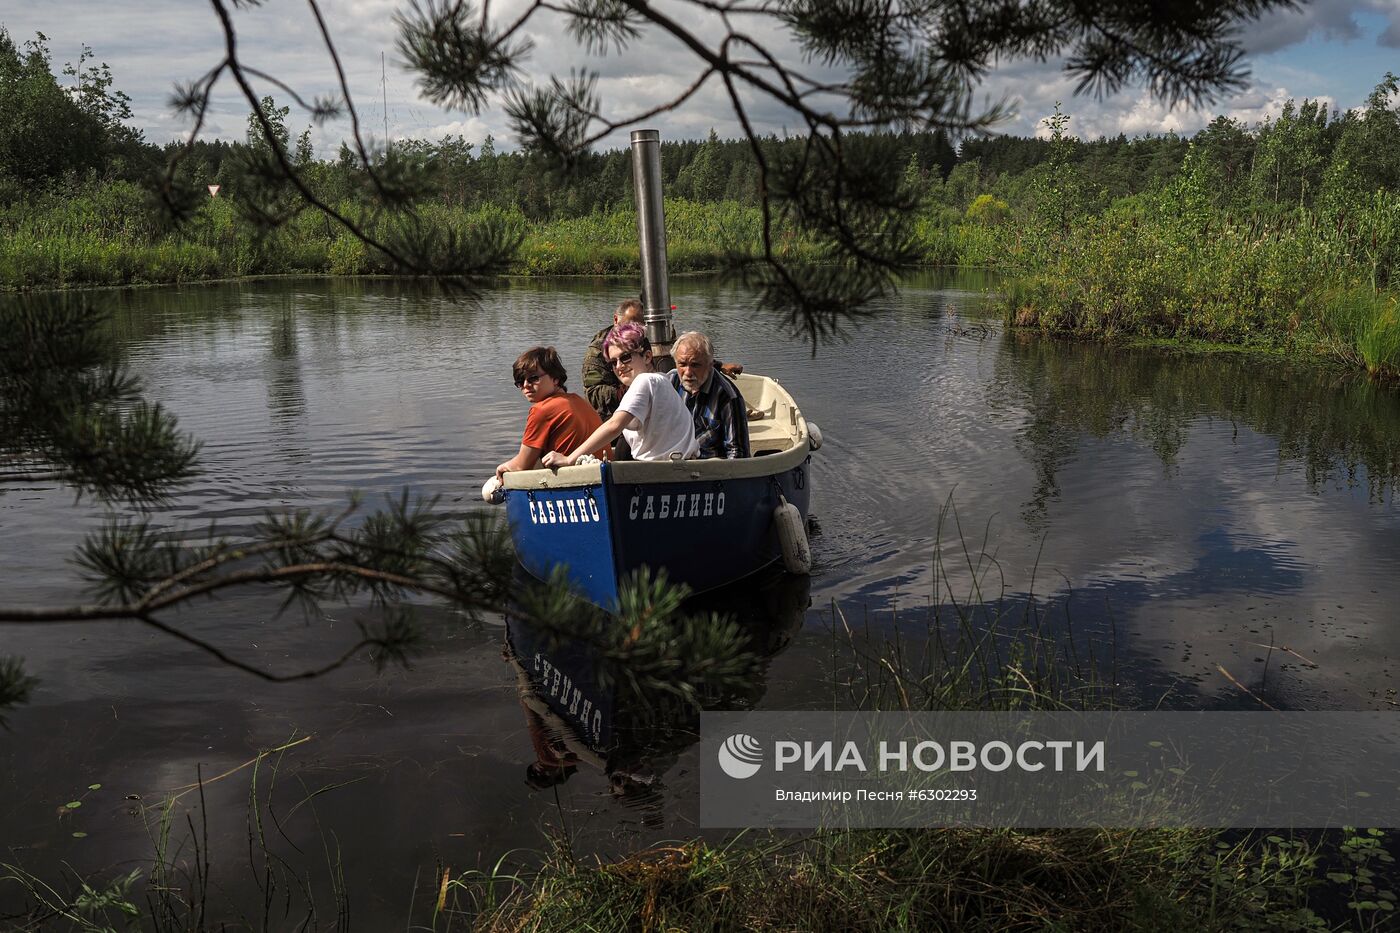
(1285, 236)
(946, 879)
(106, 237)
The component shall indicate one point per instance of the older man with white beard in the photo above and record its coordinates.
(715, 403)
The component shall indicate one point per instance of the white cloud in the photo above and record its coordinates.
(1267, 105)
(1331, 19)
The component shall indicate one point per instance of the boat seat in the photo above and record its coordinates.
(768, 438)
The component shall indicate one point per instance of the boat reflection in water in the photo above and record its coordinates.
(583, 709)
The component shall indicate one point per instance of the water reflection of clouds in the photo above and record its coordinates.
(1198, 505)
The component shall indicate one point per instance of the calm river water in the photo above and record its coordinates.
(1182, 513)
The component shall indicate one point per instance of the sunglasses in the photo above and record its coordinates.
(624, 357)
(532, 379)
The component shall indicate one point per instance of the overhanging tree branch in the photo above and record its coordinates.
(280, 152)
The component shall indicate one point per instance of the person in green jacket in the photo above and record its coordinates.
(600, 383)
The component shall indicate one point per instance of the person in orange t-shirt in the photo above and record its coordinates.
(558, 420)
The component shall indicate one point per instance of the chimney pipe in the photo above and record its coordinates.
(651, 235)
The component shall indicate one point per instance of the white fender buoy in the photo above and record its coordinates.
(797, 553)
(492, 492)
(814, 435)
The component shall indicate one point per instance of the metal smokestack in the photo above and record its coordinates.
(651, 235)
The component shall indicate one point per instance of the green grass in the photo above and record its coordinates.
(1365, 327)
(106, 237)
(1151, 267)
(952, 879)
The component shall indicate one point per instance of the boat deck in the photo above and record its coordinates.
(775, 424)
(765, 437)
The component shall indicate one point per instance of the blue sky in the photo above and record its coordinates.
(1344, 68)
(1335, 50)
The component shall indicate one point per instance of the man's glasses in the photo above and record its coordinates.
(624, 357)
(532, 379)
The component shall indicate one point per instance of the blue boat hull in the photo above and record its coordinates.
(567, 531)
(706, 529)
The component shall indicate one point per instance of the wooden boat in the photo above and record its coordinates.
(708, 523)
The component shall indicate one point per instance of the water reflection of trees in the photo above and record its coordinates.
(141, 315)
(1338, 426)
(583, 706)
(286, 391)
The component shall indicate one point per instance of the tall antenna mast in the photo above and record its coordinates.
(384, 86)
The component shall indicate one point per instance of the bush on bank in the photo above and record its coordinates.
(1173, 264)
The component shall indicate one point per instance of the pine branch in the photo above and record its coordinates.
(345, 96)
(15, 686)
(68, 412)
(128, 558)
(279, 152)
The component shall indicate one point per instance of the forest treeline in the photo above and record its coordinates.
(1282, 234)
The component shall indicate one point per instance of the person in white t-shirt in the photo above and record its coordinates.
(651, 416)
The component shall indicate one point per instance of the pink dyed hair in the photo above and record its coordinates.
(629, 336)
